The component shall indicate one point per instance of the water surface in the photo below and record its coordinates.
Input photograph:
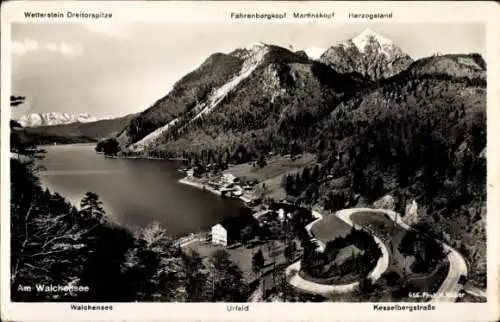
(135, 192)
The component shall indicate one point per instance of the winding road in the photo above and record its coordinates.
(450, 285)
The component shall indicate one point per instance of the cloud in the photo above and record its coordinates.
(70, 50)
(315, 52)
(66, 49)
(21, 48)
(113, 30)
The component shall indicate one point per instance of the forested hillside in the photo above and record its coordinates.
(419, 136)
(185, 95)
(282, 98)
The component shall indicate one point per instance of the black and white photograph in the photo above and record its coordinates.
(242, 163)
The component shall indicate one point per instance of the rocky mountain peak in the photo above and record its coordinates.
(367, 36)
(248, 50)
(370, 54)
(369, 42)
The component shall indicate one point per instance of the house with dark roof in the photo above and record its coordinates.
(229, 230)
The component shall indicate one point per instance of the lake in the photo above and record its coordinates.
(135, 192)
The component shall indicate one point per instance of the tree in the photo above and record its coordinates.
(44, 243)
(377, 189)
(261, 162)
(155, 238)
(197, 274)
(108, 147)
(159, 271)
(16, 100)
(91, 206)
(400, 203)
(392, 278)
(246, 234)
(289, 184)
(290, 250)
(366, 285)
(226, 278)
(257, 262)
(274, 254)
(359, 182)
(306, 176)
(462, 279)
(408, 243)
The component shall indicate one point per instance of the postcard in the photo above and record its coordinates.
(274, 161)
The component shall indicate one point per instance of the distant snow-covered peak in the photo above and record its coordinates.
(369, 40)
(367, 36)
(56, 118)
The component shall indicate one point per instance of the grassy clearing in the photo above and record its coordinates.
(242, 256)
(276, 165)
(329, 228)
(271, 175)
(272, 187)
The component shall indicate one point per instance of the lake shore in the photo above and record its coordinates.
(186, 180)
(199, 185)
(140, 157)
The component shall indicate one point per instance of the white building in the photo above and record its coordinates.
(219, 235)
(228, 231)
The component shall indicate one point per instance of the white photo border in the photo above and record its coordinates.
(206, 11)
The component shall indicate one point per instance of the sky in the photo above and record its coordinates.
(118, 69)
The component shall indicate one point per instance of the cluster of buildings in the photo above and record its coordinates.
(230, 230)
(230, 186)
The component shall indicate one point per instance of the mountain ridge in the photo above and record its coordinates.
(57, 118)
(378, 60)
(88, 131)
(278, 69)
